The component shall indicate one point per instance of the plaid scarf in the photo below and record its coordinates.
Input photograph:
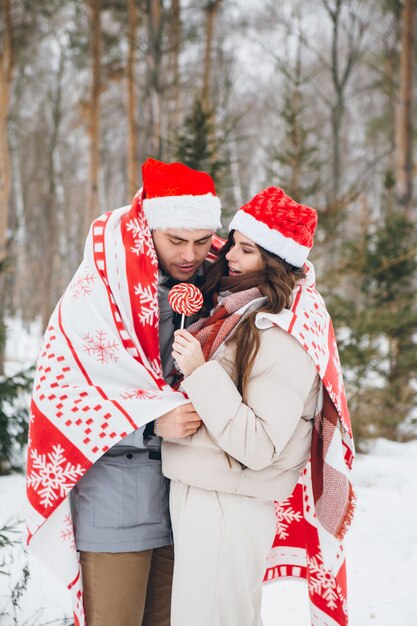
(312, 522)
(231, 310)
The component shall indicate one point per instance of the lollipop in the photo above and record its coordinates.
(186, 299)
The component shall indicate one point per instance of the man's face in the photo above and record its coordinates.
(180, 251)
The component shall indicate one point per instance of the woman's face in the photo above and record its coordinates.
(243, 256)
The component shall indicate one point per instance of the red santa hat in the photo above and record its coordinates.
(176, 196)
(277, 223)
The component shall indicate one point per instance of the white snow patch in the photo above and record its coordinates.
(23, 342)
(381, 546)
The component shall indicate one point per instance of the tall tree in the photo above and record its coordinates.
(345, 17)
(193, 147)
(155, 15)
(380, 348)
(6, 74)
(403, 127)
(389, 87)
(94, 111)
(132, 101)
(50, 221)
(294, 158)
(174, 104)
(212, 8)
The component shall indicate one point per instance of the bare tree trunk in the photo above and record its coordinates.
(235, 170)
(94, 111)
(297, 143)
(6, 71)
(337, 110)
(390, 82)
(51, 217)
(132, 125)
(340, 77)
(174, 111)
(403, 126)
(211, 9)
(155, 13)
(6, 74)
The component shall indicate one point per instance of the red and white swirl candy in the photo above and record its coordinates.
(185, 298)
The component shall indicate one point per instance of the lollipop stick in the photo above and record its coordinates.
(182, 321)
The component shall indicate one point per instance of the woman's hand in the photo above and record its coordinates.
(187, 352)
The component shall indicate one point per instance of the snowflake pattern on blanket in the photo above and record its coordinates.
(99, 368)
(98, 378)
(312, 521)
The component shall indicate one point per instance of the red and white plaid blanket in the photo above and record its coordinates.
(312, 522)
(98, 378)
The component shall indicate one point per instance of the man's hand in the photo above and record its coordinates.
(180, 422)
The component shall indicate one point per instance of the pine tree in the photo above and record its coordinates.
(380, 349)
(295, 160)
(13, 413)
(13, 418)
(196, 145)
(390, 283)
(294, 157)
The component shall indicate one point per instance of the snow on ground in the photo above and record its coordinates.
(46, 601)
(381, 546)
(23, 342)
(381, 551)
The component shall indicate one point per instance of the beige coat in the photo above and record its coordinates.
(269, 438)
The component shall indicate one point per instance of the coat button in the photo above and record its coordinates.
(129, 455)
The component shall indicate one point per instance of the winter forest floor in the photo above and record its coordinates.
(381, 552)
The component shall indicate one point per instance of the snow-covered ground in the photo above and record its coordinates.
(381, 545)
(381, 552)
(23, 342)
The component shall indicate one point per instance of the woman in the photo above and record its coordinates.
(257, 391)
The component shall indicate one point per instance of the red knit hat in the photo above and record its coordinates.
(277, 223)
(176, 196)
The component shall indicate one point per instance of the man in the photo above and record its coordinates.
(101, 402)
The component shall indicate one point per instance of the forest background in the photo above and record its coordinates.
(316, 96)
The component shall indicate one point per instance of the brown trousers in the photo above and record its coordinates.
(128, 588)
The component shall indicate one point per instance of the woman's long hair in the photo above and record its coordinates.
(277, 281)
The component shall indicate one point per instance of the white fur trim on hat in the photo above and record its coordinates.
(187, 211)
(270, 239)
